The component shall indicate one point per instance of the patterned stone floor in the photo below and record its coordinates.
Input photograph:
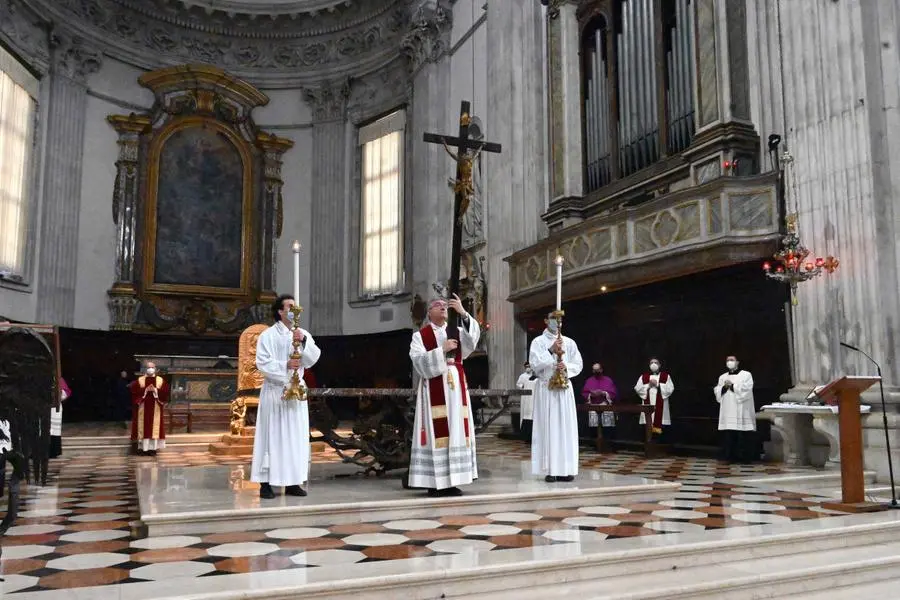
(78, 531)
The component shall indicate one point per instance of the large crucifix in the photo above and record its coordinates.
(467, 150)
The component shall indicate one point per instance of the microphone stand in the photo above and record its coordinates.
(887, 440)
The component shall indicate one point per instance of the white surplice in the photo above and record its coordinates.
(666, 389)
(281, 445)
(526, 404)
(554, 437)
(455, 464)
(56, 415)
(736, 409)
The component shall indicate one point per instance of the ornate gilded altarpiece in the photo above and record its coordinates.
(198, 207)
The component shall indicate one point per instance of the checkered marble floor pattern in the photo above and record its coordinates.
(78, 531)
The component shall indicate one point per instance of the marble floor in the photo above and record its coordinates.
(80, 530)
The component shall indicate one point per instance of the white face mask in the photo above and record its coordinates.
(528, 370)
(151, 372)
(731, 364)
(654, 367)
(552, 325)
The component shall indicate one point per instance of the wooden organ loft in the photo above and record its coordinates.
(637, 85)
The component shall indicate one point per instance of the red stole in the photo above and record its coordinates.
(658, 409)
(438, 401)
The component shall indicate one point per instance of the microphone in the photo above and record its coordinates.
(887, 440)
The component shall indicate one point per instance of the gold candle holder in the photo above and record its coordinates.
(295, 390)
(559, 380)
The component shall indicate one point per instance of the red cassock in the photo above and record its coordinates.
(148, 422)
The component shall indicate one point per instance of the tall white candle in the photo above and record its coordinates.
(559, 264)
(296, 248)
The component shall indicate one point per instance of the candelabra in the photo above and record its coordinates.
(295, 389)
(793, 263)
(559, 380)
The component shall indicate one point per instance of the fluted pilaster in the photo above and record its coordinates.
(516, 191)
(432, 204)
(565, 72)
(840, 130)
(328, 211)
(61, 206)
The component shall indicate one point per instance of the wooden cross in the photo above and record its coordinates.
(467, 150)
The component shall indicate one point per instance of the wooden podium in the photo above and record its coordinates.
(845, 391)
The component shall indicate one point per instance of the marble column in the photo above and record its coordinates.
(328, 215)
(71, 64)
(425, 47)
(516, 191)
(567, 165)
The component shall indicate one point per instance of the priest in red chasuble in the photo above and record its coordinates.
(149, 397)
(443, 445)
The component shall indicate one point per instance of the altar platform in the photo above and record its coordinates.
(219, 498)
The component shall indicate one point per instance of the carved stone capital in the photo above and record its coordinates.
(428, 38)
(71, 58)
(329, 100)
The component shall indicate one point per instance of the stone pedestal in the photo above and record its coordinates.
(805, 435)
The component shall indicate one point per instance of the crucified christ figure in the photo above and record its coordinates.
(464, 185)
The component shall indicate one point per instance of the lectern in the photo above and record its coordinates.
(846, 392)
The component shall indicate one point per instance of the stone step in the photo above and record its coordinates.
(219, 498)
(822, 558)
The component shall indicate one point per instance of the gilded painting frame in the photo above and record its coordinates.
(157, 144)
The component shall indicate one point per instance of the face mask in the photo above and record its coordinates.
(552, 325)
(654, 367)
(731, 364)
(528, 369)
(151, 372)
(598, 372)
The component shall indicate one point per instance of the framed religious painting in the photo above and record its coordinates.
(199, 210)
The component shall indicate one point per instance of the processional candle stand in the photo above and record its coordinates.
(559, 380)
(295, 389)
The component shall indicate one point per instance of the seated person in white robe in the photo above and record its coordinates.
(554, 438)
(443, 445)
(281, 445)
(737, 413)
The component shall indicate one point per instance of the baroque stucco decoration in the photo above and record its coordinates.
(288, 49)
(428, 38)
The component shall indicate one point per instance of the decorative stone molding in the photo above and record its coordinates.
(329, 100)
(25, 33)
(739, 215)
(428, 38)
(72, 58)
(350, 37)
(122, 309)
(379, 92)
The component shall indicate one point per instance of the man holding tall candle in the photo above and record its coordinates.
(554, 437)
(443, 445)
(281, 446)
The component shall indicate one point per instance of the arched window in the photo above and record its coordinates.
(637, 85)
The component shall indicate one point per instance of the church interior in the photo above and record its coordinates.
(672, 181)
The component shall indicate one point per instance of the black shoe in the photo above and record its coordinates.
(566, 478)
(550, 479)
(445, 493)
(265, 491)
(294, 490)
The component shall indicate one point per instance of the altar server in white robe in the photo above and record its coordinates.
(554, 438)
(443, 445)
(737, 412)
(281, 452)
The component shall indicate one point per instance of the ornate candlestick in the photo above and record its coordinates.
(295, 390)
(559, 380)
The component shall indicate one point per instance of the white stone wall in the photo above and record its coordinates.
(840, 124)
